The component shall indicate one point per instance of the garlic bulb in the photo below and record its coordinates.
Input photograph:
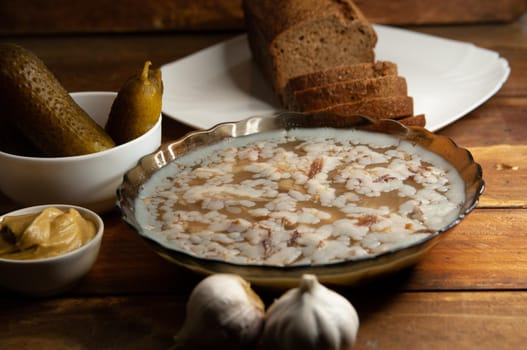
(223, 312)
(310, 317)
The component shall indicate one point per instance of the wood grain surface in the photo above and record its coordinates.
(102, 16)
(468, 292)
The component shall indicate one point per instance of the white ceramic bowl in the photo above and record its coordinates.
(43, 277)
(89, 180)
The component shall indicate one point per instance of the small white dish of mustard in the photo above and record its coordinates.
(46, 249)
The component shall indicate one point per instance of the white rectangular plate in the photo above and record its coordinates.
(446, 78)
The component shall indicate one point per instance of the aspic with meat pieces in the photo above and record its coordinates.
(300, 197)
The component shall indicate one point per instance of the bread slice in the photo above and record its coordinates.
(414, 120)
(340, 73)
(289, 38)
(345, 92)
(392, 107)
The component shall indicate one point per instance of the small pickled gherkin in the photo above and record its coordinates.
(35, 105)
(137, 107)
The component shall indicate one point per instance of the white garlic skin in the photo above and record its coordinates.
(310, 317)
(223, 312)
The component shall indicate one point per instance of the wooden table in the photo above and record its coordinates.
(469, 292)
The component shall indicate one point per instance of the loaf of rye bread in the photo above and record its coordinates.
(318, 55)
(324, 96)
(289, 38)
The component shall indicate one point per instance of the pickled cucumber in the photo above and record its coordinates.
(137, 106)
(13, 141)
(35, 102)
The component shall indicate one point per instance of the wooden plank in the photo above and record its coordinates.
(485, 321)
(485, 251)
(67, 16)
(499, 121)
(91, 323)
(441, 12)
(475, 320)
(505, 175)
(64, 16)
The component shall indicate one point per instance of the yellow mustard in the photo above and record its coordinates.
(46, 234)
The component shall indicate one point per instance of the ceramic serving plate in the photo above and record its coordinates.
(340, 273)
(446, 78)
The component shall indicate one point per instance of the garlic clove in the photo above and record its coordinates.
(310, 316)
(223, 312)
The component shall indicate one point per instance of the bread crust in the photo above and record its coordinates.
(340, 73)
(392, 107)
(324, 96)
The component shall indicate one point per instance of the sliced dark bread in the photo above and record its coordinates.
(318, 55)
(324, 96)
(339, 73)
(392, 107)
